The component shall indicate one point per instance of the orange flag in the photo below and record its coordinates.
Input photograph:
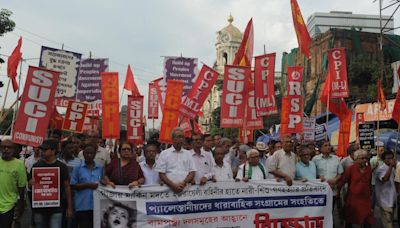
(244, 55)
(303, 37)
(130, 84)
(381, 96)
(13, 62)
(339, 108)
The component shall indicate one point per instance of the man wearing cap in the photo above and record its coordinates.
(263, 151)
(52, 216)
(253, 169)
(12, 183)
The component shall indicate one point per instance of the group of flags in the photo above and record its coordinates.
(247, 96)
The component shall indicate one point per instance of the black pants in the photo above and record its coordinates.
(7, 218)
(85, 219)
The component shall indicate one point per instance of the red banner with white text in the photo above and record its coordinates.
(91, 123)
(295, 100)
(75, 116)
(201, 89)
(170, 120)
(252, 120)
(338, 72)
(134, 120)
(264, 78)
(36, 106)
(152, 105)
(234, 93)
(110, 107)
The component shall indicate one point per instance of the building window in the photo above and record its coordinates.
(225, 58)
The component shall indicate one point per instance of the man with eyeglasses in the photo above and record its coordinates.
(283, 161)
(305, 168)
(12, 183)
(102, 155)
(203, 161)
(175, 165)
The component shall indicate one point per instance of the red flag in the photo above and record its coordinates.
(339, 108)
(396, 108)
(303, 37)
(381, 96)
(56, 120)
(130, 84)
(13, 62)
(244, 55)
(336, 106)
(344, 135)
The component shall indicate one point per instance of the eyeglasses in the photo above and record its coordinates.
(126, 149)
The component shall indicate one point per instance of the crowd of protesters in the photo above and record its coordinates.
(360, 182)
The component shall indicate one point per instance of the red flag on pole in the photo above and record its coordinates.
(303, 37)
(396, 108)
(244, 55)
(381, 96)
(130, 84)
(13, 62)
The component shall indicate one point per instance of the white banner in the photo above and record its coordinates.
(309, 129)
(222, 204)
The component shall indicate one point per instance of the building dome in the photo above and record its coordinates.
(233, 31)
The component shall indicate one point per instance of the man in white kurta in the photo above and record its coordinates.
(253, 169)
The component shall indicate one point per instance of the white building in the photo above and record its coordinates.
(319, 23)
(227, 44)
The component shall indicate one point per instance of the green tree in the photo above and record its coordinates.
(6, 24)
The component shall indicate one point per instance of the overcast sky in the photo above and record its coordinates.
(140, 32)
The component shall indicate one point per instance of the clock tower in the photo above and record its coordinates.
(228, 42)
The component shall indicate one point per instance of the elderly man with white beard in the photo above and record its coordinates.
(252, 169)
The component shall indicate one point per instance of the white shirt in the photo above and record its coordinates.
(204, 164)
(385, 191)
(151, 176)
(267, 165)
(257, 173)
(223, 173)
(102, 156)
(283, 162)
(30, 161)
(175, 164)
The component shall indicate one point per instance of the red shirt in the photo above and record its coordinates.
(129, 173)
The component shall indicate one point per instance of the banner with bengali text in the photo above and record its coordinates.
(67, 63)
(221, 204)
